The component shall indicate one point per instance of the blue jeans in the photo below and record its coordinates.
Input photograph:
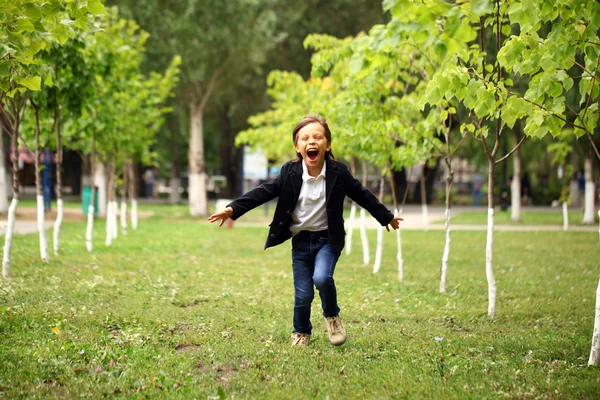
(313, 263)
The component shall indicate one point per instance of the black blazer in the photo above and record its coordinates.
(339, 183)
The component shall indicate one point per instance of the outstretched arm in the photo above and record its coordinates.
(221, 215)
(394, 223)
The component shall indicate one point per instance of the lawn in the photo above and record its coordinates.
(183, 309)
(549, 216)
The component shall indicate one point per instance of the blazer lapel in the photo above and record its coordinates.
(296, 179)
(331, 175)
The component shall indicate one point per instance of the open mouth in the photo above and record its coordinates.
(312, 154)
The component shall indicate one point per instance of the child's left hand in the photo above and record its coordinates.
(394, 223)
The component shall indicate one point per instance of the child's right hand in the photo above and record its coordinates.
(223, 215)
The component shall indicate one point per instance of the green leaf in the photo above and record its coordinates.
(547, 62)
(32, 83)
(553, 88)
(4, 68)
(356, 63)
(481, 7)
(25, 25)
(486, 103)
(471, 95)
(48, 81)
(95, 7)
(32, 10)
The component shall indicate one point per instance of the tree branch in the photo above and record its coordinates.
(513, 150)
(589, 135)
(210, 87)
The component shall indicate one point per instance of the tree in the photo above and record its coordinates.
(217, 42)
(26, 29)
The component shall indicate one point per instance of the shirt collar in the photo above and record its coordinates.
(306, 176)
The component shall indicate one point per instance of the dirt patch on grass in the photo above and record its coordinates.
(187, 348)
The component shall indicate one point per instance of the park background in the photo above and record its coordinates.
(166, 108)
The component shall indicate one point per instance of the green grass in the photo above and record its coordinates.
(182, 309)
(528, 217)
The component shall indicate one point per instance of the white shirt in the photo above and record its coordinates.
(310, 213)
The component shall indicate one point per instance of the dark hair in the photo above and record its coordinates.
(309, 119)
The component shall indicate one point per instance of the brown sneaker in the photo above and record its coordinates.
(336, 333)
(300, 339)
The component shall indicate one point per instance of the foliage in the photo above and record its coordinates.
(30, 26)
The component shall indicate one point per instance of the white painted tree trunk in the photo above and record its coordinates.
(57, 225)
(101, 184)
(109, 222)
(10, 230)
(350, 228)
(42, 228)
(399, 253)
(3, 180)
(515, 188)
(197, 175)
(378, 250)
(446, 254)
(565, 213)
(489, 271)
(90, 228)
(123, 216)
(588, 211)
(363, 237)
(424, 212)
(574, 192)
(115, 220)
(175, 196)
(595, 352)
(134, 214)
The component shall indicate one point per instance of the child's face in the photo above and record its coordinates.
(312, 144)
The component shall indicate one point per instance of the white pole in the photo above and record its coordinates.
(42, 229)
(363, 237)
(595, 352)
(399, 247)
(57, 225)
(350, 228)
(90, 228)
(489, 271)
(10, 230)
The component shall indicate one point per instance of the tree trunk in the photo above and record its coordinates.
(115, 205)
(59, 201)
(175, 180)
(3, 183)
(397, 212)
(90, 212)
(100, 181)
(379, 248)
(12, 210)
(590, 188)
(448, 213)
(363, 228)
(41, 215)
(424, 209)
(515, 186)
(133, 196)
(595, 352)
(197, 173)
(226, 147)
(489, 271)
(350, 228)
(352, 213)
(109, 205)
(123, 213)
